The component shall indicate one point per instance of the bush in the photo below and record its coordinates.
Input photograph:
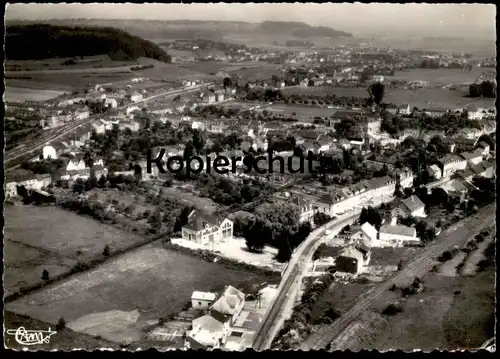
(393, 309)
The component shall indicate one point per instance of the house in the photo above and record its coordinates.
(202, 300)
(132, 125)
(484, 169)
(49, 152)
(435, 112)
(110, 103)
(207, 333)
(353, 259)
(75, 164)
(412, 206)
(449, 143)
(134, 97)
(228, 306)
(309, 135)
(206, 229)
(377, 78)
(434, 172)
(405, 109)
(451, 163)
(394, 234)
(473, 157)
(465, 144)
(99, 127)
(208, 97)
(483, 147)
(27, 179)
(219, 96)
(82, 113)
(306, 209)
(367, 234)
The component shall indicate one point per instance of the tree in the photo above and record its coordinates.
(61, 324)
(45, 275)
(106, 252)
(376, 92)
(227, 82)
(321, 218)
(487, 89)
(188, 151)
(256, 234)
(198, 141)
(346, 159)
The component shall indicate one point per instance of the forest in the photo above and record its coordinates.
(41, 41)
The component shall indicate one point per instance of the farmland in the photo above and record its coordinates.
(443, 76)
(54, 240)
(420, 98)
(111, 297)
(17, 94)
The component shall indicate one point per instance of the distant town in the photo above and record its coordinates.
(115, 252)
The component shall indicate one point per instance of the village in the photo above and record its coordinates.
(342, 167)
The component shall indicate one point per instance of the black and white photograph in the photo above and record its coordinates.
(233, 176)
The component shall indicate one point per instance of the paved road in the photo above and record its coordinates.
(66, 129)
(458, 234)
(293, 275)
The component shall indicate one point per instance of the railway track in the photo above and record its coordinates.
(418, 267)
(39, 143)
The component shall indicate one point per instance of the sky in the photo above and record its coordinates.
(424, 19)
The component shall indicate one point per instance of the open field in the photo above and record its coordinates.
(170, 72)
(444, 76)
(87, 62)
(50, 238)
(420, 98)
(249, 71)
(67, 81)
(437, 318)
(126, 292)
(17, 94)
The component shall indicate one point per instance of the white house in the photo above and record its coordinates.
(202, 300)
(434, 172)
(473, 157)
(29, 181)
(412, 206)
(49, 152)
(135, 97)
(367, 234)
(99, 127)
(396, 235)
(207, 333)
(452, 163)
(75, 164)
(228, 306)
(110, 103)
(206, 229)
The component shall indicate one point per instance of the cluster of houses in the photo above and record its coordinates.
(222, 322)
(477, 162)
(354, 258)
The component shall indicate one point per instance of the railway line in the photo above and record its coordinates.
(39, 143)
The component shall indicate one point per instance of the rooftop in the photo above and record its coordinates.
(398, 230)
